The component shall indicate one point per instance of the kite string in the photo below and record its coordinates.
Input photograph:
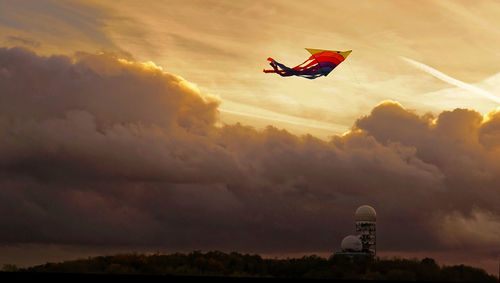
(355, 77)
(353, 73)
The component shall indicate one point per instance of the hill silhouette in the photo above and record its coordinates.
(220, 264)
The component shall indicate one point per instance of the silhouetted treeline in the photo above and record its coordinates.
(234, 264)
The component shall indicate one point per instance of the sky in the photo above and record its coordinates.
(152, 127)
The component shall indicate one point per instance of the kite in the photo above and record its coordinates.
(321, 63)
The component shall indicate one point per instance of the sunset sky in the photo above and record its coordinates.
(129, 125)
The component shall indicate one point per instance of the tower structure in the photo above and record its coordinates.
(366, 218)
(351, 244)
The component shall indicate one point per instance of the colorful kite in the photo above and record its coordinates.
(321, 63)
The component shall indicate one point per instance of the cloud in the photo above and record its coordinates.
(19, 40)
(69, 22)
(480, 229)
(98, 150)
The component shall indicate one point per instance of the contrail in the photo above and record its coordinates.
(290, 120)
(450, 80)
(232, 107)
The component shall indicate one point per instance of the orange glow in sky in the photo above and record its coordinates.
(165, 102)
(222, 46)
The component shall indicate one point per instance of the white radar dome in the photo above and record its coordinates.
(365, 213)
(351, 243)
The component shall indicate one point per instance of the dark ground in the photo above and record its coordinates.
(75, 277)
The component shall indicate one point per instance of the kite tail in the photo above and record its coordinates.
(284, 72)
(275, 68)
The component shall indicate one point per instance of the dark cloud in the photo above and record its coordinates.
(69, 20)
(98, 150)
(19, 40)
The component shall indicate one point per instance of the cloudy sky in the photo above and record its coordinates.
(128, 126)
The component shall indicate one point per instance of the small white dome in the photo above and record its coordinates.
(351, 243)
(365, 213)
